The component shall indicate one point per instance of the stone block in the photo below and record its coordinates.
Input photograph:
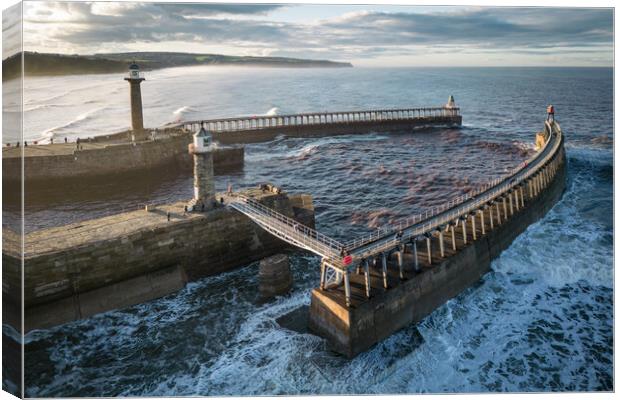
(275, 277)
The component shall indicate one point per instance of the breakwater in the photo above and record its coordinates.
(108, 156)
(81, 269)
(410, 285)
(264, 128)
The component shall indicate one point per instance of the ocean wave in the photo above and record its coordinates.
(272, 111)
(180, 113)
(590, 154)
(53, 132)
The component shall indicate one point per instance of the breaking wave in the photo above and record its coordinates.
(272, 111)
(70, 127)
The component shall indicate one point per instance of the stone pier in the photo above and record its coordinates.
(81, 269)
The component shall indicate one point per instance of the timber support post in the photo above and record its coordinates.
(367, 278)
(384, 270)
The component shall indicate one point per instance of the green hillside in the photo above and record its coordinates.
(39, 64)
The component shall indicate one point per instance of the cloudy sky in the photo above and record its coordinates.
(364, 35)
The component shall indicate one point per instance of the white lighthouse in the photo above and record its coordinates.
(451, 106)
(204, 189)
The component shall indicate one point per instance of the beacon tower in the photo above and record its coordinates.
(204, 189)
(135, 78)
(451, 104)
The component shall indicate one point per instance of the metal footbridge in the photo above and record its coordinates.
(497, 200)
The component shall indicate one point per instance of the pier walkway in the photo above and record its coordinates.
(481, 210)
(266, 127)
(429, 114)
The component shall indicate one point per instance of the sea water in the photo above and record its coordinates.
(541, 320)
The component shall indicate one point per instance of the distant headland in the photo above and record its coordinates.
(41, 64)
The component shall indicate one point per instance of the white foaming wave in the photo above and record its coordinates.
(566, 245)
(9, 331)
(47, 134)
(595, 156)
(262, 350)
(180, 113)
(40, 107)
(312, 147)
(272, 111)
(527, 146)
(182, 110)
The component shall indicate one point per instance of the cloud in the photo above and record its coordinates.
(11, 31)
(246, 28)
(497, 27)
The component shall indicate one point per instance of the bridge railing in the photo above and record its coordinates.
(286, 226)
(320, 118)
(463, 205)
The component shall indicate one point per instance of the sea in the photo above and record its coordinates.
(541, 320)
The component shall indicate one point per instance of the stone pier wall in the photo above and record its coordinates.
(134, 257)
(351, 331)
(116, 159)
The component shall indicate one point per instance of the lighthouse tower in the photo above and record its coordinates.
(450, 106)
(135, 78)
(204, 188)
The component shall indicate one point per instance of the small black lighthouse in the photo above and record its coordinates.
(135, 78)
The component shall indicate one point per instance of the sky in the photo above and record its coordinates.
(366, 35)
